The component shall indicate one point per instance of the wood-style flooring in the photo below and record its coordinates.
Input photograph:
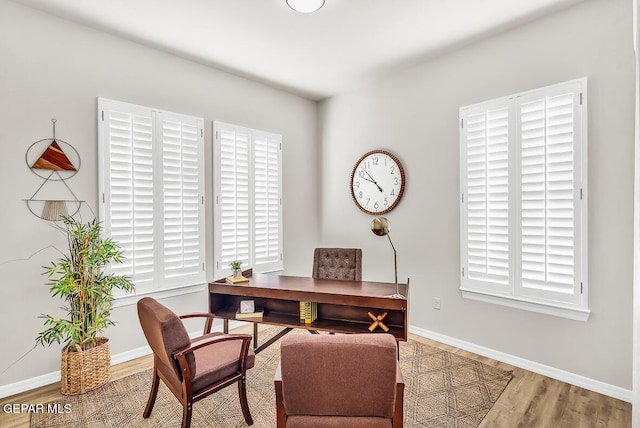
(530, 400)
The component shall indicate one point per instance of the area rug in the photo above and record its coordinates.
(441, 390)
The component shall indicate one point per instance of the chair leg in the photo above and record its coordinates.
(152, 395)
(186, 415)
(244, 404)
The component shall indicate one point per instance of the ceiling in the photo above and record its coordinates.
(344, 44)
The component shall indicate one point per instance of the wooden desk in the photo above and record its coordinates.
(342, 305)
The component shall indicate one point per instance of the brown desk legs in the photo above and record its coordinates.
(270, 341)
(256, 348)
(255, 336)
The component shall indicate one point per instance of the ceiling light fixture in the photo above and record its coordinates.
(305, 6)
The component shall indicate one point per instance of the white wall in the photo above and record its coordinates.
(51, 68)
(414, 113)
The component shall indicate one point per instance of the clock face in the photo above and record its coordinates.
(377, 182)
(247, 306)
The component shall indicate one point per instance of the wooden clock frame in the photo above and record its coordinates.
(402, 178)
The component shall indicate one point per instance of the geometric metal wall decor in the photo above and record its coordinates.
(55, 161)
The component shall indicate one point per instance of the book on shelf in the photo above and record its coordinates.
(308, 312)
(259, 312)
(239, 280)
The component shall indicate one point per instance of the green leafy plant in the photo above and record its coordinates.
(80, 280)
(236, 264)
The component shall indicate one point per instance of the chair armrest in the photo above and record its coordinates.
(281, 413)
(208, 323)
(399, 377)
(398, 409)
(278, 376)
(207, 341)
(181, 355)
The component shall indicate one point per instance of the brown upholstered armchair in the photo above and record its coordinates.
(193, 369)
(338, 263)
(350, 380)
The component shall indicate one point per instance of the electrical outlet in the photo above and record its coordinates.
(436, 303)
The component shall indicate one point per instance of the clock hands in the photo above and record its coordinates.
(372, 179)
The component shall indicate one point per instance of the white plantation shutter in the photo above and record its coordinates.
(549, 127)
(234, 237)
(267, 191)
(182, 163)
(248, 207)
(487, 192)
(128, 217)
(523, 181)
(151, 179)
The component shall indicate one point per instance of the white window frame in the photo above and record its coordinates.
(158, 282)
(275, 262)
(573, 303)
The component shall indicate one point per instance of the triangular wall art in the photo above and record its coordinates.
(55, 161)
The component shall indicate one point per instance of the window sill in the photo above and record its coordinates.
(131, 299)
(573, 313)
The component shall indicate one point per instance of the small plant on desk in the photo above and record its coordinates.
(236, 266)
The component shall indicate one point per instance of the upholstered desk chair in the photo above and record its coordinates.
(347, 380)
(338, 263)
(193, 369)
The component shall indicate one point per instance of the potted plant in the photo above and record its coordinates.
(236, 266)
(79, 279)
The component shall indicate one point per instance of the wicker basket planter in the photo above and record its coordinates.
(83, 371)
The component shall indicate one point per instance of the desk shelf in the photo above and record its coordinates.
(320, 324)
(336, 313)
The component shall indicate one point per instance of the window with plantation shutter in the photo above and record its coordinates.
(151, 187)
(248, 201)
(523, 202)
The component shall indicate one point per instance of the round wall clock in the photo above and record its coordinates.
(377, 182)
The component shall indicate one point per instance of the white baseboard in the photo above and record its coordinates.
(552, 372)
(53, 377)
(542, 369)
(29, 384)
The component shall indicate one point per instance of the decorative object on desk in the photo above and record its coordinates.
(247, 306)
(257, 314)
(53, 160)
(381, 227)
(377, 322)
(79, 279)
(236, 266)
(237, 281)
(377, 182)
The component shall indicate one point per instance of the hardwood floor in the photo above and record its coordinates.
(530, 400)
